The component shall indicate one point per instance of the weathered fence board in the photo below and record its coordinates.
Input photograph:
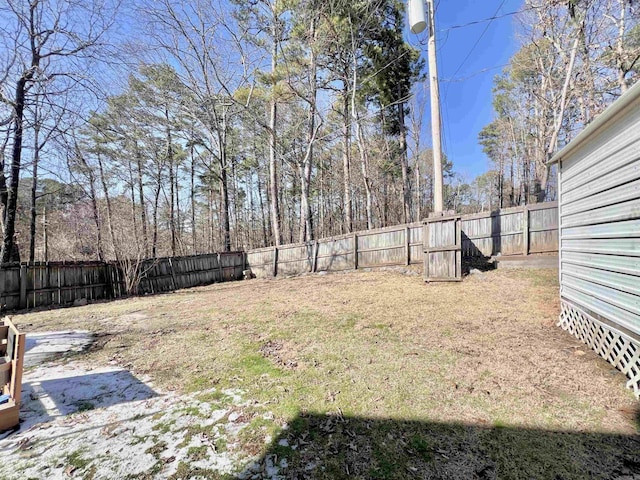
(10, 292)
(443, 249)
(60, 284)
(168, 274)
(511, 231)
(399, 245)
(57, 283)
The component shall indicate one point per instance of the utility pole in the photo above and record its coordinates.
(436, 134)
(418, 23)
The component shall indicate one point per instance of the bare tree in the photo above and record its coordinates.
(49, 43)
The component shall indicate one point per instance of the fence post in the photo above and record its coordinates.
(275, 261)
(525, 230)
(109, 293)
(355, 251)
(426, 246)
(407, 233)
(59, 283)
(315, 257)
(23, 286)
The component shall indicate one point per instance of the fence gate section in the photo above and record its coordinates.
(443, 249)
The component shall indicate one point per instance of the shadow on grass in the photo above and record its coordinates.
(335, 447)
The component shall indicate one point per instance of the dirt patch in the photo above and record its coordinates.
(275, 351)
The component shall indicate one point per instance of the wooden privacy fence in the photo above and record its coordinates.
(512, 231)
(54, 283)
(399, 245)
(168, 274)
(58, 283)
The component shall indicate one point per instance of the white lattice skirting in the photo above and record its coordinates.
(619, 350)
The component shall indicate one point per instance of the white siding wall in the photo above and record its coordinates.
(600, 222)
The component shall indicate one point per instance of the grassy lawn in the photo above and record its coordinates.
(377, 375)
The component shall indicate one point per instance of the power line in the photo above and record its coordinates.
(444, 110)
(490, 19)
(474, 74)
(444, 115)
(446, 92)
(486, 28)
(511, 63)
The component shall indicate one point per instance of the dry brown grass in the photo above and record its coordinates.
(381, 346)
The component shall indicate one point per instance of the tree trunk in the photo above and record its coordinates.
(418, 193)
(385, 201)
(105, 191)
(143, 206)
(306, 220)
(10, 252)
(4, 193)
(273, 115)
(225, 210)
(134, 216)
(34, 187)
(622, 71)
(346, 167)
(176, 179)
(364, 165)
(589, 94)
(542, 173)
(94, 206)
(172, 221)
(45, 239)
(273, 179)
(512, 192)
(156, 203)
(263, 215)
(404, 165)
(210, 222)
(321, 205)
(252, 211)
(194, 235)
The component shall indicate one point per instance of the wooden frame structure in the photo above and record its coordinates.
(12, 348)
(443, 249)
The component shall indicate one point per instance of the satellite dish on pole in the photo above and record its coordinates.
(417, 17)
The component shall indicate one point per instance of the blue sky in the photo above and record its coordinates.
(466, 104)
